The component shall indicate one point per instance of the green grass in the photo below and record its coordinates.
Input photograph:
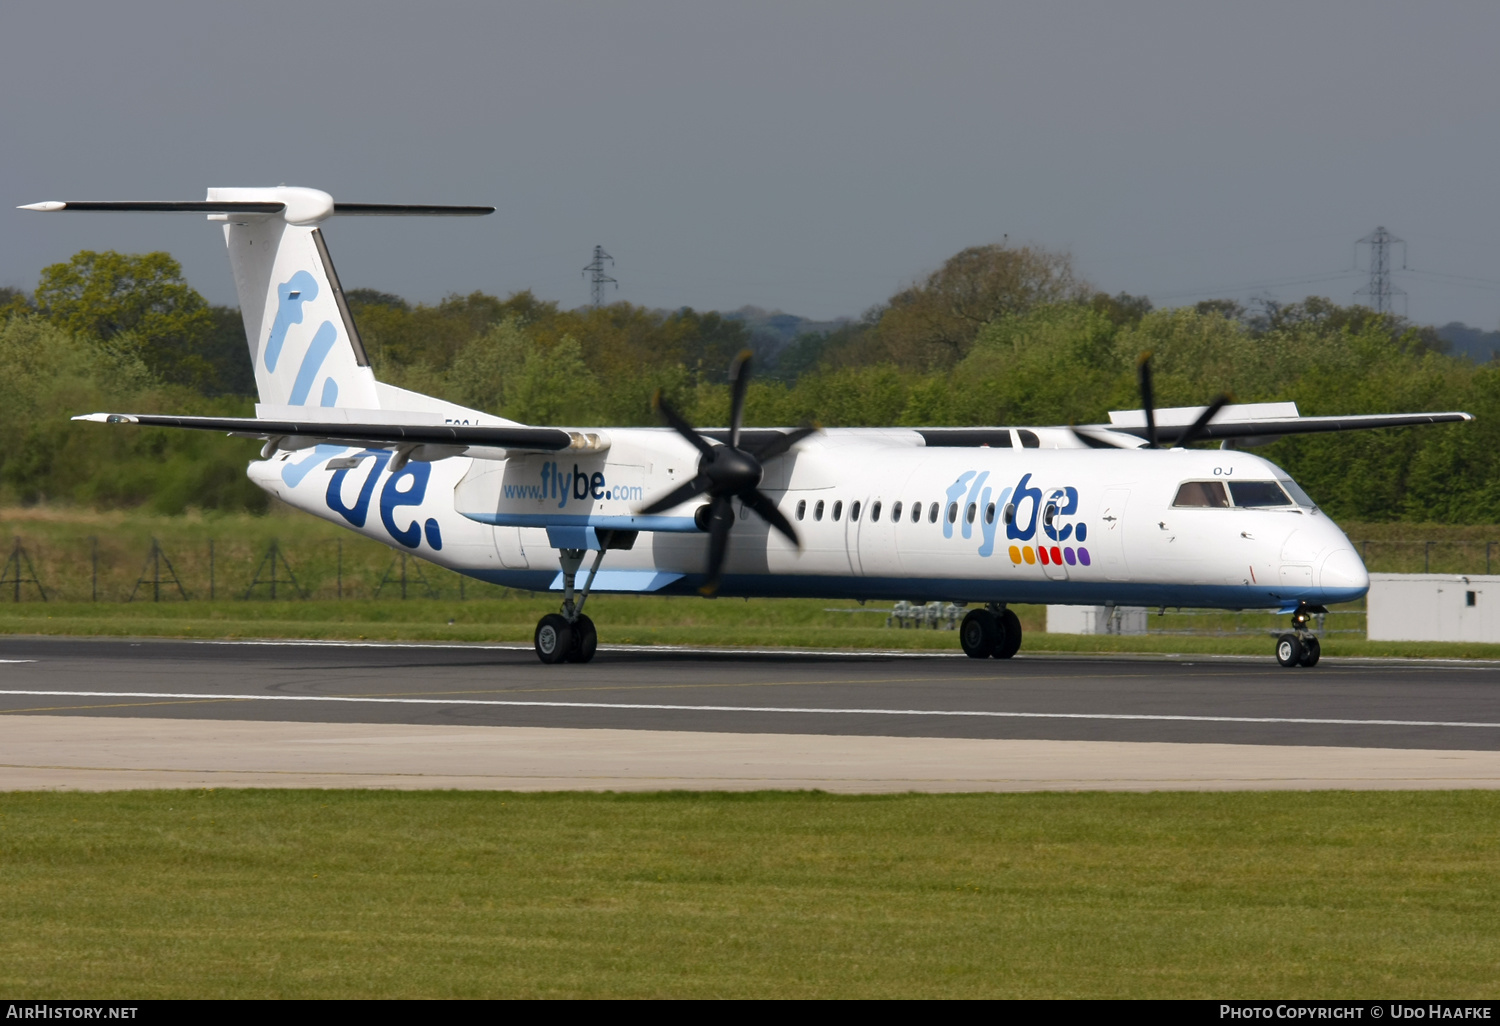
(449, 894)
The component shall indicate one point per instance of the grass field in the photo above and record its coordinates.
(447, 894)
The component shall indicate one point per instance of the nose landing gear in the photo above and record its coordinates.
(1300, 647)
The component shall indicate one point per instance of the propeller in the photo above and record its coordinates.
(1148, 400)
(727, 472)
(1195, 431)
(1104, 438)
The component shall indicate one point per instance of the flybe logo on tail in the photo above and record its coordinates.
(291, 295)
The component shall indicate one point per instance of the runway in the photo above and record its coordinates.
(1117, 721)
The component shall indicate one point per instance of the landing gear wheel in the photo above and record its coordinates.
(1311, 650)
(553, 638)
(1010, 643)
(1289, 650)
(979, 633)
(585, 640)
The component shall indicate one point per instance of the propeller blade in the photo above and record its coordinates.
(682, 493)
(771, 515)
(780, 445)
(681, 426)
(720, 520)
(1104, 439)
(1200, 426)
(739, 380)
(1148, 400)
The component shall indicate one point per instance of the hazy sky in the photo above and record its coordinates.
(811, 157)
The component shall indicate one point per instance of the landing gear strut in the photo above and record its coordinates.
(569, 636)
(991, 631)
(1300, 646)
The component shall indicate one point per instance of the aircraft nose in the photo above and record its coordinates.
(1343, 571)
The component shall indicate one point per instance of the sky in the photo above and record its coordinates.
(803, 156)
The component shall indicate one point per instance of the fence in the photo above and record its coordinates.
(101, 568)
(107, 567)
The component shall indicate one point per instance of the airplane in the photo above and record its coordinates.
(1117, 514)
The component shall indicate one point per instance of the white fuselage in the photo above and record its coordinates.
(1088, 526)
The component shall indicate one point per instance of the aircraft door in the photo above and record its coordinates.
(1112, 533)
(1055, 530)
(853, 524)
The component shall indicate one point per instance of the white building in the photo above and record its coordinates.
(1096, 619)
(1433, 607)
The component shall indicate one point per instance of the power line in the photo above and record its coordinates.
(1380, 291)
(1255, 286)
(598, 279)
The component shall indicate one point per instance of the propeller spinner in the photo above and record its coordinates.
(727, 472)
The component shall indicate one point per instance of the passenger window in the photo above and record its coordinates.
(818, 510)
(838, 509)
(952, 512)
(1049, 514)
(1010, 513)
(1202, 494)
(854, 510)
(916, 512)
(875, 512)
(1029, 440)
(932, 513)
(1258, 494)
(801, 508)
(896, 512)
(969, 516)
(989, 513)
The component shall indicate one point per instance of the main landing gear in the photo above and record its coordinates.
(1300, 646)
(569, 636)
(991, 631)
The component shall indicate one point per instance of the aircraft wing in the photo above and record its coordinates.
(1167, 434)
(304, 434)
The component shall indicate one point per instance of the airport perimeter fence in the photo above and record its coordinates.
(132, 567)
(105, 568)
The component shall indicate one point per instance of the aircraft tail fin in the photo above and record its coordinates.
(303, 341)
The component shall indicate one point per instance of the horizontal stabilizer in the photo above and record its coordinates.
(407, 210)
(261, 207)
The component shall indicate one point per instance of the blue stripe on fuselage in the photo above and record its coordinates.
(1081, 593)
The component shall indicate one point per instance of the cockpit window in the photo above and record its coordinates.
(1300, 497)
(1258, 494)
(1202, 493)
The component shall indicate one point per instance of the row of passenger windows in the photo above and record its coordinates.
(913, 512)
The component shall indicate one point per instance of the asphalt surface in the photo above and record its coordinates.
(1189, 699)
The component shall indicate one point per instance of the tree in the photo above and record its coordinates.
(934, 324)
(139, 301)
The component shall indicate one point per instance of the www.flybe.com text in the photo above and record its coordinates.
(579, 485)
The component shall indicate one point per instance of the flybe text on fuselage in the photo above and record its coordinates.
(576, 485)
